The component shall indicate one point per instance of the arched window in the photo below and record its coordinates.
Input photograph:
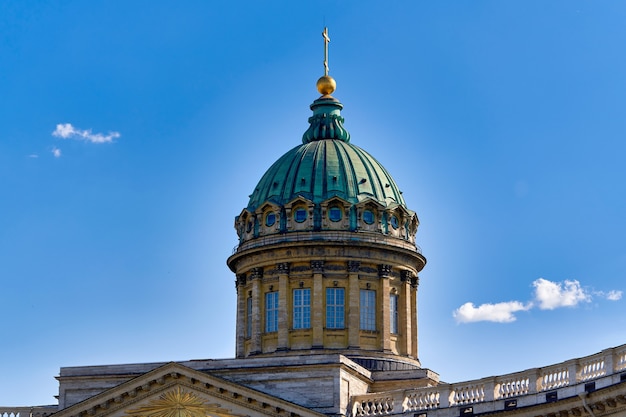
(368, 217)
(300, 215)
(335, 213)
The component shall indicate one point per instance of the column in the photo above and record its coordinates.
(317, 304)
(415, 281)
(257, 310)
(406, 314)
(241, 315)
(283, 306)
(352, 304)
(384, 271)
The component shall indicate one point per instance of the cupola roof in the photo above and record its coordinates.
(326, 164)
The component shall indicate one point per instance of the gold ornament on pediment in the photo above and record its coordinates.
(178, 403)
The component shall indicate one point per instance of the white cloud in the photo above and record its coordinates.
(67, 131)
(613, 295)
(56, 152)
(499, 313)
(548, 296)
(551, 295)
(33, 155)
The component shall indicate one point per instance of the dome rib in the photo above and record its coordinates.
(309, 170)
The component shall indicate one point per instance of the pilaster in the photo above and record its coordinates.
(414, 284)
(317, 304)
(354, 311)
(257, 311)
(384, 271)
(283, 303)
(241, 315)
(406, 315)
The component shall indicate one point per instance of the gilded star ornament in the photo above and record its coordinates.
(177, 403)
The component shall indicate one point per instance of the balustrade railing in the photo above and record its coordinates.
(513, 386)
(532, 381)
(363, 236)
(38, 411)
(375, 406)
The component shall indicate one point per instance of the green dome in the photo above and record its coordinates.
(322, 169)
(326, 165)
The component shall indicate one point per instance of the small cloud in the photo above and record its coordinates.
(613, 295)
(498, 313)
(56, 152)
(32, 155)
(551, 295)
(67, 131)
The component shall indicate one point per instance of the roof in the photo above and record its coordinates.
(326, 165)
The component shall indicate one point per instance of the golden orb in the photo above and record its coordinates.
(326, 85)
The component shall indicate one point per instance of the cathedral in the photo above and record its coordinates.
(327, 278)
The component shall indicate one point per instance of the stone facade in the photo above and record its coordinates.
(319, 266)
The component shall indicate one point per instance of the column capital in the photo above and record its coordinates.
(317, 267)
(406, 275)
(256, 273)
(415, 282)
(283, 267)
(240, 280)
(384, 270)
(353, 266)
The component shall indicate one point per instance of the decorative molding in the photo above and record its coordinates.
(177, 403)
(353, 266)
(325, 126)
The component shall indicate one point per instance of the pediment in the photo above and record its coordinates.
(268, 205)
(174, 390)
(299, 200)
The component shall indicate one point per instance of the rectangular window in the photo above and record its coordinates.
(393, 316)
(368, 310)
(334, 308)
(302, 308)
(249, 317)
(271, 311)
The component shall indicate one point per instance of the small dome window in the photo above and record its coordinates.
(249, 226)
(299, 215)
(270, 219)
(368, 216)
(394, 222)
(335, 214)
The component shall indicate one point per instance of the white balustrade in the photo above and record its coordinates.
(592, 368)
(12, 413)
(425, 399)
(553, 377)
(374, 406)
(467, 394)
(532, 381)
(620, 358)
(513, 387)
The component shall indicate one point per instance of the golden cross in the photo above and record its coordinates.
(326, 40)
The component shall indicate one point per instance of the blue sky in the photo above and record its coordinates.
(132, 134)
